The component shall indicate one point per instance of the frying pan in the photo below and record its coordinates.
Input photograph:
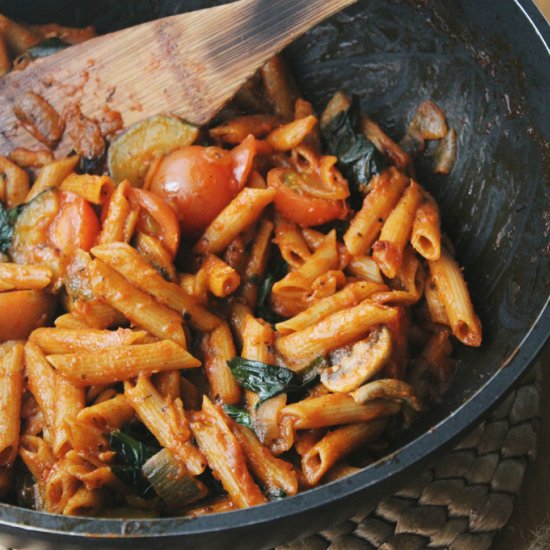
(487, 65)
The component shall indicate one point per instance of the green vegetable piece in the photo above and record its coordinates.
(7, 221)
(277, 494)
(132, 454)
(263, 310)
(358, 158)
(171, 481)
(132, 152)
(238, 415)
(265, 380)
(47, 47)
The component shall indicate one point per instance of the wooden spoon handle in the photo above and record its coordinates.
(189, 64)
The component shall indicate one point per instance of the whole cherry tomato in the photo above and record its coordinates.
(199, 182)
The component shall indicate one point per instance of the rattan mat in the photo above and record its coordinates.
(464, 500)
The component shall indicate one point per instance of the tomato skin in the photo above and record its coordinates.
(305, 210)
(164, 218)
(199, 182)
(75, 225)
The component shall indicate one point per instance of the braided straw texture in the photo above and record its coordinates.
(464, 500)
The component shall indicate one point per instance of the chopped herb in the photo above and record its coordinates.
(358, 158)
(7, 221)
(265, 380)
(238, 415)
(132, 455)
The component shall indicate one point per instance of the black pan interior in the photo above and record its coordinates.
(484, 70)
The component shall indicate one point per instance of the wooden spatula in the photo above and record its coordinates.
(189, 64)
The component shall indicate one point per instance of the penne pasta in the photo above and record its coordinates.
(107, 415)
(127, 262)
(137, 306)
(221, 279)
(225, 455)
(58, 340)
(293, 286)
(218, 348)
(121, 363)
(291, 242)
(11, 391)
(435, 305)
(256, 265)
(15, 183)
(426, 232)
(337, 330)
(155, 253)
(274, 474)
(94, 189)
(69, 402)
(120, 216)
(388, 250)
(452, 291)
(24, 277)
(240, 214)
(334, 409)
(336, 445)
(42, 382)
(167, 421)
(351, 295)
(52, 175)
(385, 190)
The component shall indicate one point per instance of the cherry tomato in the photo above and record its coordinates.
(295, 204)
(156, 218)
(199, 182)
(75, 225)
(23, 311)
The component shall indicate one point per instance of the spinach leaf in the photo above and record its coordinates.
(133, 455)
(265, 380)
(7, 221)
(239, 415)
(278, 269)
(358, 158)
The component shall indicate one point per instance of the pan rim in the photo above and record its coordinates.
(388, 469)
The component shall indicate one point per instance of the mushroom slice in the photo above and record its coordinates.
(387, 388)
(367, 357)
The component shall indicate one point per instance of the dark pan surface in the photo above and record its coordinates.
(487, 65)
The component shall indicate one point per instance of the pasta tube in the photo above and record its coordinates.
(336, 445)
(121, 363)
(237, 216)
(127, 262)
(336, 330)
(388, 250)
(24, 277)
(225, 455)
(385, 190)
(138, 307)
(453, 292)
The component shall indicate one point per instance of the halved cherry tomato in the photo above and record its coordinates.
(75, 225)
(295, 204)
(156, 218)
(199, 182)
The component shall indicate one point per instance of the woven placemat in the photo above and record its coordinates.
(464, 500)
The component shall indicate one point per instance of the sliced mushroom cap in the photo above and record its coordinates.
(388, 388)
(366, 359)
